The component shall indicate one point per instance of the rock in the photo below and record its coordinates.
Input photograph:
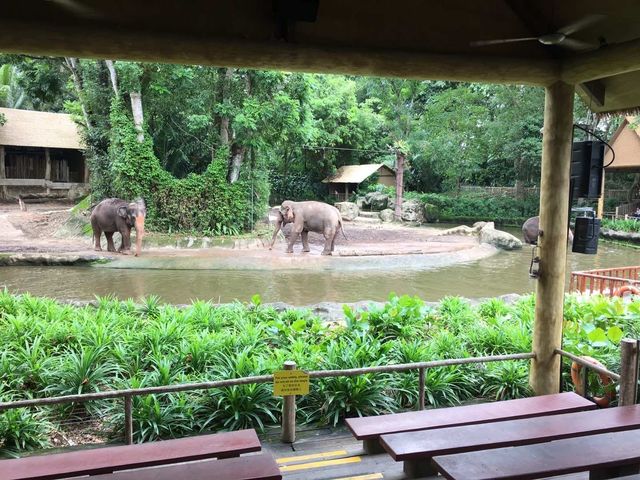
(413, 211)
(348, 210)
(377, 201)
(431, 213)
(479, 225)
(360, 202)
(498, 238)
(387, 216)
(460, 230)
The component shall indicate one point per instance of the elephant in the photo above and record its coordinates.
(530, 230)
(308, 217)
(115, 215)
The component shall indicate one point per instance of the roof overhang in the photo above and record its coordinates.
(408, 38)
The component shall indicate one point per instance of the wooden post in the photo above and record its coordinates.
(47, 168)
(628, 372)
(346, 192)
(3, 173)
(399, 183)
(128, 419)
(289, 411)
(552, 241)
(600, 212)
(421, 377)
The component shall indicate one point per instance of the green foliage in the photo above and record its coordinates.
(21, 430)
(621, 225)
(51, 349)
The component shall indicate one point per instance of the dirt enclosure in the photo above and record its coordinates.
(48, 228)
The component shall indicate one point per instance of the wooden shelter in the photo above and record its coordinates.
(40, 152)
(346, 180)
(588, 46)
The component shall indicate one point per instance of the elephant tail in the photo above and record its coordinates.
(342, 230)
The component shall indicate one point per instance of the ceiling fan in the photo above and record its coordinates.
(558, 38)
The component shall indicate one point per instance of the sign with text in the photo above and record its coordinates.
(290, 382)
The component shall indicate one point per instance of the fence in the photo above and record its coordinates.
(628, 379)
(605, 280)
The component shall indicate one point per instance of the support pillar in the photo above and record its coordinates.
(554, 211)
(3, 173)
(600, 212)
(47, 168)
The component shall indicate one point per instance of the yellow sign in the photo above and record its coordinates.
(290, 382)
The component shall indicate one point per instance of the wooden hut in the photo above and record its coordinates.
(346, 180)
(569, 46)
(41, 153)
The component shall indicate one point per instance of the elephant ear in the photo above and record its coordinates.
(122, 211)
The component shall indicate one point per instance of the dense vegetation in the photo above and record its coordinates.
(48, 348)
(226, 141)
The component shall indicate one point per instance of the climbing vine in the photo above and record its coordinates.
(199, 202)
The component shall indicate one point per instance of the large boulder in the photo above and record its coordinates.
(361, 203)
(387, 215)
(348, 210)
(413, 211)
(377, 201)
(498, 238)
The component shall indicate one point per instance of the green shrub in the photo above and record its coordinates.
(22, 429)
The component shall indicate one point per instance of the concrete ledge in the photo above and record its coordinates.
(47, 259)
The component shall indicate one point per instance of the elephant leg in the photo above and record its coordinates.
(110, 246)
(125, 246)
(328, 244)
(305, 241)
(292, 239)
(96, 239)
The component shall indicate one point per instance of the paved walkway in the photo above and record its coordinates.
(335, 455)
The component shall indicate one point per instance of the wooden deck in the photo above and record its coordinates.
(336, 455)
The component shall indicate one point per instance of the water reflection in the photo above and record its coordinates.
(506, 272)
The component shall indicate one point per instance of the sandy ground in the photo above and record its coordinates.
(44, 228)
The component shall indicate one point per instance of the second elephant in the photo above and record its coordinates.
(531, 228)
(308, 217)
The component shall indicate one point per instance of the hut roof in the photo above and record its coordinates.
(355, 173)
(27, 128)
(625, 142)
(405, 38)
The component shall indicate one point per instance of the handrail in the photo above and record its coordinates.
(85, 397)
(586, 363)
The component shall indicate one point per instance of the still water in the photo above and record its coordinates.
(502, 273)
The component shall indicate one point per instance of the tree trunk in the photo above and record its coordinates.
(399, 183)
(224, 119)
(72, 65)
(237, 157)
(113, 76)
(138, 118)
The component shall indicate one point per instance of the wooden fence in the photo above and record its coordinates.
(605, 281)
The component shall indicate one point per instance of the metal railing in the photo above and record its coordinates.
(127, 395)
(604, 280)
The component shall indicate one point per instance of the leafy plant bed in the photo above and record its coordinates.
(51, 349)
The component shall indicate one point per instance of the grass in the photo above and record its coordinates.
(48, 348)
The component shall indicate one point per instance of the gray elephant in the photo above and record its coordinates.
(530, 230)
(308, 217)
(115, 215)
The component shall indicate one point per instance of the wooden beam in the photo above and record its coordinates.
(554, 211)
(604, 62)
(595, 91)
(3, 173)
(94, 41)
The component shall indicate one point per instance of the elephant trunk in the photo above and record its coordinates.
(139, 233)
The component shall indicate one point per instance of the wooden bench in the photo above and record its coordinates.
(369, 429)
(249, 467)
(415, 449)
(109, 459)
(606, 455)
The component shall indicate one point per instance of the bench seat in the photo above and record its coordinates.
(109, 459)
(369, 429)
(417, 448)
(606, 455)
(249, 467)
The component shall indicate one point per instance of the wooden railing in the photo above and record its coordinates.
(605, 280)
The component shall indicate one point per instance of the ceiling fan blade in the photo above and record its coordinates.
(580, 24)
(481, 43)
(77, 8)
(578, 44)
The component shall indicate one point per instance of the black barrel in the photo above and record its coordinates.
(585, 238)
